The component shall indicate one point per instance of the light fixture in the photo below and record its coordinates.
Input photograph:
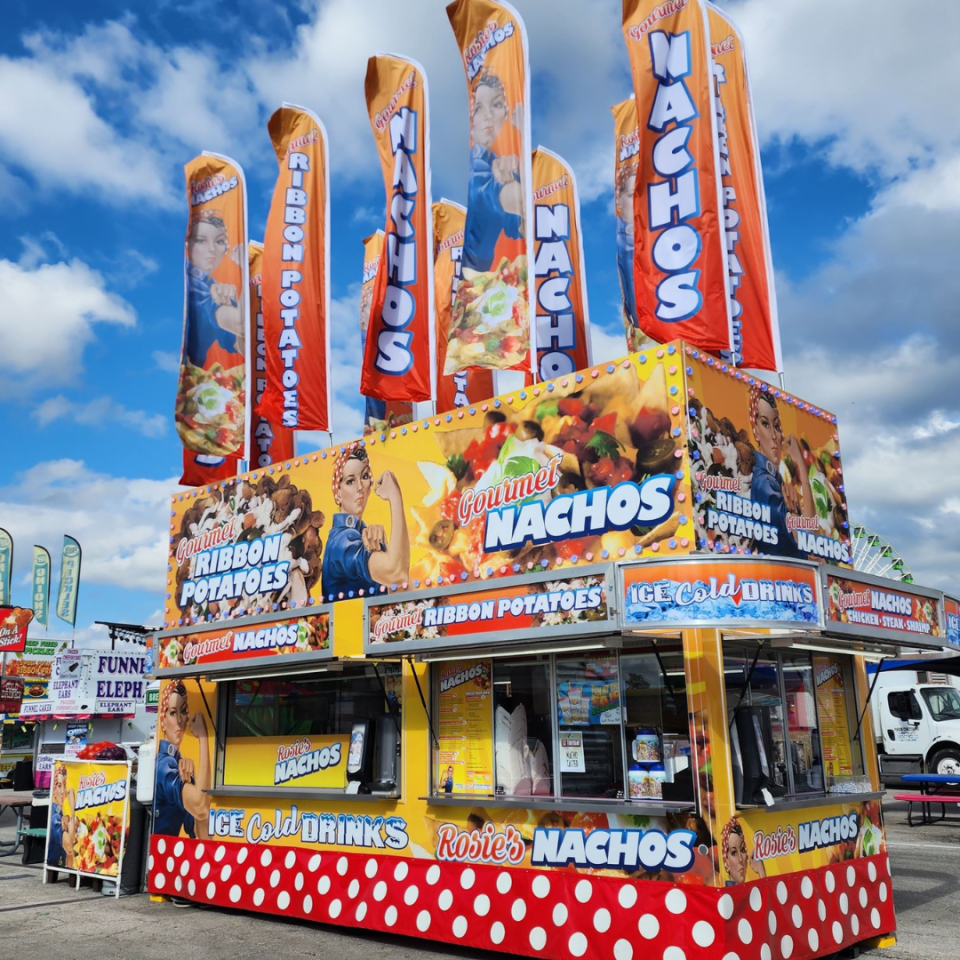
(819, 648)
(292, 672)
(612, 643)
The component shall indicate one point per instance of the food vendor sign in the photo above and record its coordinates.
(870, 606)
(305, 761)
(721, 592)
(766, 469)
(579, 470)
(951, 610)
(89, 817)
(251, 639)
(13, 628)
(551, 604)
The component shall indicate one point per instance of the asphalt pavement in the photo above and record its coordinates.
(55, 922)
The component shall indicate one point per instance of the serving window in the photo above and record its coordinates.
(792, 715)
(336, 731)
(599, 726)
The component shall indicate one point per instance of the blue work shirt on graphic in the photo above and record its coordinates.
(486, 218)
(766, 489)
(346, 561)
(203, 331)
(170, 815)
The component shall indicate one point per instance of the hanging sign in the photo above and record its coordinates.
(549, 604)
(720, 592)
(865, 607)
(13, 628)
(244, 642)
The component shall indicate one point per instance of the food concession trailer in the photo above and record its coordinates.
(613, 701)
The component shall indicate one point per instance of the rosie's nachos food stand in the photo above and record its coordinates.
(577, 671)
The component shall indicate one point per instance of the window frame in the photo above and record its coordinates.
(745, 650)
(226, 699)
(556, 796)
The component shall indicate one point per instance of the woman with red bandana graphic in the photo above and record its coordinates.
(357, 555)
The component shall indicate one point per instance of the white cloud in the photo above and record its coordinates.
(47, 317)
(166, 360)
(100, 413)
(72, 148)
(121, 523)
(863, 79)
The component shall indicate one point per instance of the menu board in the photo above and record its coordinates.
(834, 724)
(465, 756)
(592, 695)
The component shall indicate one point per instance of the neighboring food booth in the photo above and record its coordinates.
(573, 672)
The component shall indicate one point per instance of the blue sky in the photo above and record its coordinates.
(103, 103)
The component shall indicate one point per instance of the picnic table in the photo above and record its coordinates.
(932, 787)
(16, 801)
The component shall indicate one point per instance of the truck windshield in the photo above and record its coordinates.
(943, 702)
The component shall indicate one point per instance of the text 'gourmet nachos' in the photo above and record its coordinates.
(614, 429)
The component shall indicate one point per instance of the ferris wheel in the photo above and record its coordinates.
(872, 554)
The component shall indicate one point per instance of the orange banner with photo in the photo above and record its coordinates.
(464, 387)
(491, 321)
(563, 317)
(755, 327)
(680, 264)
(398, 356)
(269, 442)
(627, 142)
(296, 276)
(378, 414)
(211, 408)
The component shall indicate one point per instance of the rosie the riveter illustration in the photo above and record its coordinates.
(767, 487)
(733, 852)
(495, 197)
(215, 316)
(179, 799)
(358, 556)
(63, 825)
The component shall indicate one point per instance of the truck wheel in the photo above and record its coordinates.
(946, 760)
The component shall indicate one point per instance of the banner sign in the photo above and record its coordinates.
(305, 761)
(73, 688)
(11, 694)
(89, 817)
(550, 605)
(767, 474)
(465, 751)
(951, 609)
(680, 264)
(587, 468)
(490, 325)
(41, 584)
(398, 357)
(36, 700)
(202, 469)
(464, 387)
(35, 660)
(721, 592)
(69, 581)
(6, 566)
(270, 442)
(119, 682)
(859, 607)
(211, 408)
(13, 628)
(563, 318)
(378, 414)
(755, 328)
(296, 276)
(627, 143)
(248, 642)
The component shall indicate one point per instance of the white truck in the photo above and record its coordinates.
(916, 720)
